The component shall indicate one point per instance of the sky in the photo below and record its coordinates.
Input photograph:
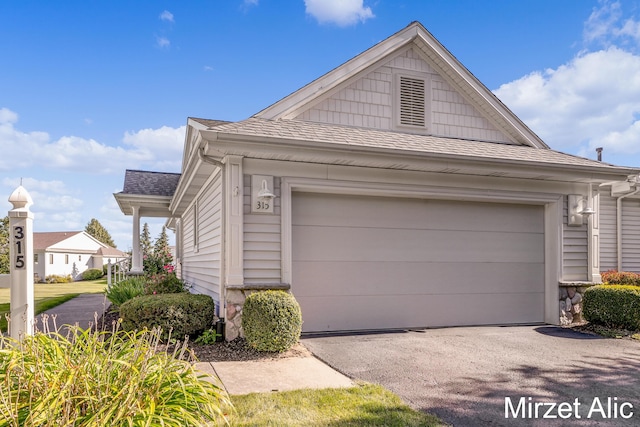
(89, 88)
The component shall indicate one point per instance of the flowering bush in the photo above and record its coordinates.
(156, 262)
(163, 283)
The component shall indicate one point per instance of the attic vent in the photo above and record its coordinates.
(412, 102)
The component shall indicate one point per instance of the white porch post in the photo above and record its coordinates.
(136, 256)
(21, 264)
(234, 270)
(593, 228)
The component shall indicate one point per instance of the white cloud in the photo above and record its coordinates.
(163, 42)
(164, 144)
(592, 101)
(7, 116)
(148, 148)
(166, 16)
(340, 12)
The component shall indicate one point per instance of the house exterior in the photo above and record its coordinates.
(394, 192)
(70, 253)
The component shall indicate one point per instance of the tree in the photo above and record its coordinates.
(159, 259)
(145, 241)
(4, 245)
(96, 229)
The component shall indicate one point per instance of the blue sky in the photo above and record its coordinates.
(91, 88)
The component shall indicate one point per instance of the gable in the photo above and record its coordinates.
(456, 103)
(404, 94)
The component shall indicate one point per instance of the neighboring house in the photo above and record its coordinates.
(395, 191)
(70, 253)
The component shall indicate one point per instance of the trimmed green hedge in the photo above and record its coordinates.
(92, 274)
(614, 306)
(185, 313)
(271, 320)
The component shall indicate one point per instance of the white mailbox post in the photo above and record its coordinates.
(21, 264)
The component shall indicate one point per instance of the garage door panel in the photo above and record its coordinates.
(363, 262)
(378, 212)
(361, 244)
(389, 312)
(410, 278)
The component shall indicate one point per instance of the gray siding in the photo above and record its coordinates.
(608, 239)
(201, 265)
(369, 102)
(574, 249)
(262, 262)
(630, 233)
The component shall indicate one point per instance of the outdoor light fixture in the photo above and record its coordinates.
(262, 195)
(264, 192)
(578, 209)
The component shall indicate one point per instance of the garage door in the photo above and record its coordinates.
(378, 263)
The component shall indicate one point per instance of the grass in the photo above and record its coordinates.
(51, 295)
(359, 406)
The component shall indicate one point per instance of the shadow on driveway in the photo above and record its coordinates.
(467, 376)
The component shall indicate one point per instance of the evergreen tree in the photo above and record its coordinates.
(96, 229)
(145, 241)
(4, 245)
(161, 248)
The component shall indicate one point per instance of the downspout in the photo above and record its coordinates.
(619, 225)
(220, 326)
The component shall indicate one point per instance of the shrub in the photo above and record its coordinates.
(614, 277)
(57, 278)
(103, 379)
(614, 306)
(185, 313)
(271, 320)
(163, 283)
(92, 274)
(125, 290)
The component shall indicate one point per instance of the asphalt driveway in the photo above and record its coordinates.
(472, 376)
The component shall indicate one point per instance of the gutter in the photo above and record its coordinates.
(222, 291)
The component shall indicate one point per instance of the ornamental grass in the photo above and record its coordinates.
(98, 378)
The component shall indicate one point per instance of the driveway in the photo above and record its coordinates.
(467, 376)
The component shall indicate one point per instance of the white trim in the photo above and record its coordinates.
(552, 217)
(428, 97)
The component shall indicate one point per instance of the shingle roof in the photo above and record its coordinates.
(150, 183)
(42, 240)
(208, 122)
(110, 251)
(341, 136)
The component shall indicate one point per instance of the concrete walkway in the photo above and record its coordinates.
(254, 376)
(82, 310)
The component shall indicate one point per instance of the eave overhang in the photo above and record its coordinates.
(221, 144)
(149, 206)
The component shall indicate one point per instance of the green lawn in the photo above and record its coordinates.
(360, 406)
(48, 295)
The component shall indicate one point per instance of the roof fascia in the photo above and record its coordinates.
(293, 102)
(454, 71)
(256, 146)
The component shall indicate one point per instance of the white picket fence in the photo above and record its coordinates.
(117, 271)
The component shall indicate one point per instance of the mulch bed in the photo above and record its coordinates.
(236, 350)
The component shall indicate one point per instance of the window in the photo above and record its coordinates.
(79, 257)
(50, 258)
(66, 258)
(412, 102)
(35, 258)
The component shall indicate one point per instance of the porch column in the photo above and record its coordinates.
(593, 228)
(234, 217)
(136, 258)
